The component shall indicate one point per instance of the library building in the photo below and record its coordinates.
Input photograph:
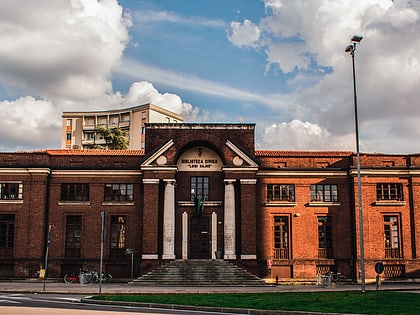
(199, 191)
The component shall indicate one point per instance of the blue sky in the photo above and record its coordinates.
(277, 63)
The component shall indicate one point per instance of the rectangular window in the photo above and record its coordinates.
(118, 235)
(69, 122)
(11, 191)
(118, 192)
(90, 136)
(90, 121)
(199, 187)
(389, 192)
(281, 237)
(68, 136)
(325, 237)
(7, 232)
(113, 120)
(391, 236)
(74, 192)
(103, 120)
(276, 192)
(73, 235)
(324, 193)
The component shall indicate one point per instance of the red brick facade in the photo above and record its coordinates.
(289, 214)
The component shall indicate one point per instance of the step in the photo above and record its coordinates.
(199, 273)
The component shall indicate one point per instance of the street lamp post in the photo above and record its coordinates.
(130, 251)
(351, 49)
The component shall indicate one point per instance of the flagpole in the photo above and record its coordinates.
(46, 255)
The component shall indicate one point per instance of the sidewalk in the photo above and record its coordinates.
(52, 287)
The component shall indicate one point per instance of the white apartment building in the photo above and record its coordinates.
(79, 129)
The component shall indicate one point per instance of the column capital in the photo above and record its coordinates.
(229, 181)
(169, 181)
(151, 180)
(248, 181)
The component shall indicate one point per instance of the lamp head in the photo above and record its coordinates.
(349, 49)
(356, 39)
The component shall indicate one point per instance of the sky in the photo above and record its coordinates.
(280, 64)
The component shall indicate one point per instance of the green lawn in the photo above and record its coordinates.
(370, 302)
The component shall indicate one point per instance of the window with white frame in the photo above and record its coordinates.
(279, 192)
(11, 191)
(118, 192)
(389, 191)
(324, 193)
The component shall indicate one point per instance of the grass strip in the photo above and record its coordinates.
(351, 302)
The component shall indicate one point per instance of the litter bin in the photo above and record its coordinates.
(329, 281)
(82, 278)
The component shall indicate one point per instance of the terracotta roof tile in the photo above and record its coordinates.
(275, 153)
(92, 152)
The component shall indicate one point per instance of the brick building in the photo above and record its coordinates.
(201, 191)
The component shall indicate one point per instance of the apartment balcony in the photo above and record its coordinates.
(89, 127)
(124, 124)
(91, 141)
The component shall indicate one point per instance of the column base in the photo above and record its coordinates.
(230, 257)
(249, 257)
(149, 256)
(168, 256)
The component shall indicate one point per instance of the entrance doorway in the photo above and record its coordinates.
(199, 238)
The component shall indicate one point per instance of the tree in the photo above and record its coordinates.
(115, 139)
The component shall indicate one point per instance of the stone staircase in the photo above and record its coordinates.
(198, 272)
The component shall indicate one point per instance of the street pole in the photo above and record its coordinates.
(46, 255)
(351, 49)
(103, 220)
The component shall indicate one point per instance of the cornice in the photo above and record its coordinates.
(94, 173)
(25, 171)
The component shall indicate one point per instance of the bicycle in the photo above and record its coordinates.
(71, 278)
(329, 278)
(104, 276)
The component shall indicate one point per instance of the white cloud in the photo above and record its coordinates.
(26, 122)
(387, 67)
(144, 92)
(61, 49)
(299, 135)
(63, 52)
(245, 34)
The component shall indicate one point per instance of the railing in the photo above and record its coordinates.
(281, 253)
(325, 253)
(72, 252)
(117, 252)
(6, 252)
(392, 253)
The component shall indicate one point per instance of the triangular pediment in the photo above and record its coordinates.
(241, 159)
(157, 157)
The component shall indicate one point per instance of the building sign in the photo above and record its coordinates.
(199, 159)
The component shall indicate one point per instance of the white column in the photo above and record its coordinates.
(185, 235)
(230, 230)
(169, 220)
(213, 235)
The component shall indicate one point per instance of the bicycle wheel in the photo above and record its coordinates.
(88, 278)
(341, 279)
(67, 279)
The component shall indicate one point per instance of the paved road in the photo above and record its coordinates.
(17, 293)
(37, 286)
(46, 304)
